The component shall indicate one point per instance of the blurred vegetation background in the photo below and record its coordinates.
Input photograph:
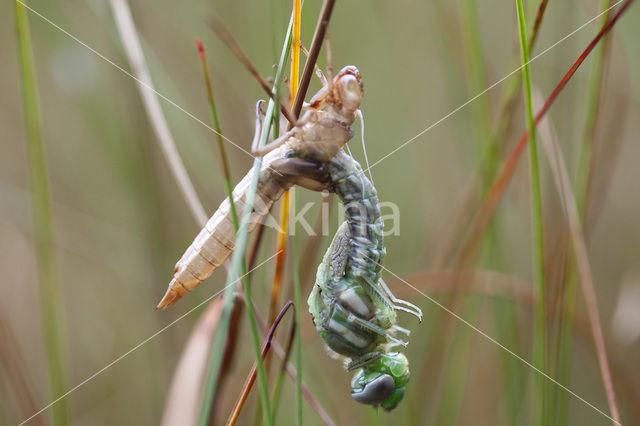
(120, 222)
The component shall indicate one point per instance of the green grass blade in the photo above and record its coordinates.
(216, 125)
(592, 109)
(218, 346)
(51, 304)
(539, 339)
(477, 81)
(582, 179)
(298, 301)
(238, 264)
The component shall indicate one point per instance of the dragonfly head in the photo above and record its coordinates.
(382, 382)
(343, 95)
(347, 88)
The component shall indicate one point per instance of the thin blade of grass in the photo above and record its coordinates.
(233, 417)
(277, 391)
(224, 162)
(295, 65)
(583, 174)
(592, 109)
(561, 177)
(281, 245)
(477, 81)
(533, 37)
(15, 375)
(298, 338)
(185, 394)
(133, 50)
(221, 31)
(316, 44)
(537, 238)
(238, 263)
(283, 231)
(512, 91)
(489, 164)
(293, 374)
(51, 303)
(284, 207)
(449, 398)
(218, 344)
(295, 49)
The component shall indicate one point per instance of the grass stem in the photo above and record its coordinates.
(218, 345)
(539, 338)
(51, 303)
(133, 49)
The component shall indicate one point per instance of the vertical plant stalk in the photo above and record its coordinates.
(281, 246)
(133, 49)
(284, 207)
(452, 393)
(224, 162)
(217, 348)
(183, 401)
(477, 81)
(237, 262)
(581, 199)
(51, 303)
(295, 65)
(542, 7)
(539, 338)
(561, 177)
(292, 373)
(233, 417)
(314, 51)
(510, 94)
(295, 50)
(297, 288)
(593, 107)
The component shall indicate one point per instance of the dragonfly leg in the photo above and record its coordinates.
(401, 305)
(365, 359)
(258, 152)
(319, 74)
(258, 126)
(402, 330)
(368, 325)
(329, 69)
(310, 175)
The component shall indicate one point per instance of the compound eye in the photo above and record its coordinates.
(376, 391)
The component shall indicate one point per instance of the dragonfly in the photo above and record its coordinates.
(353, 309)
